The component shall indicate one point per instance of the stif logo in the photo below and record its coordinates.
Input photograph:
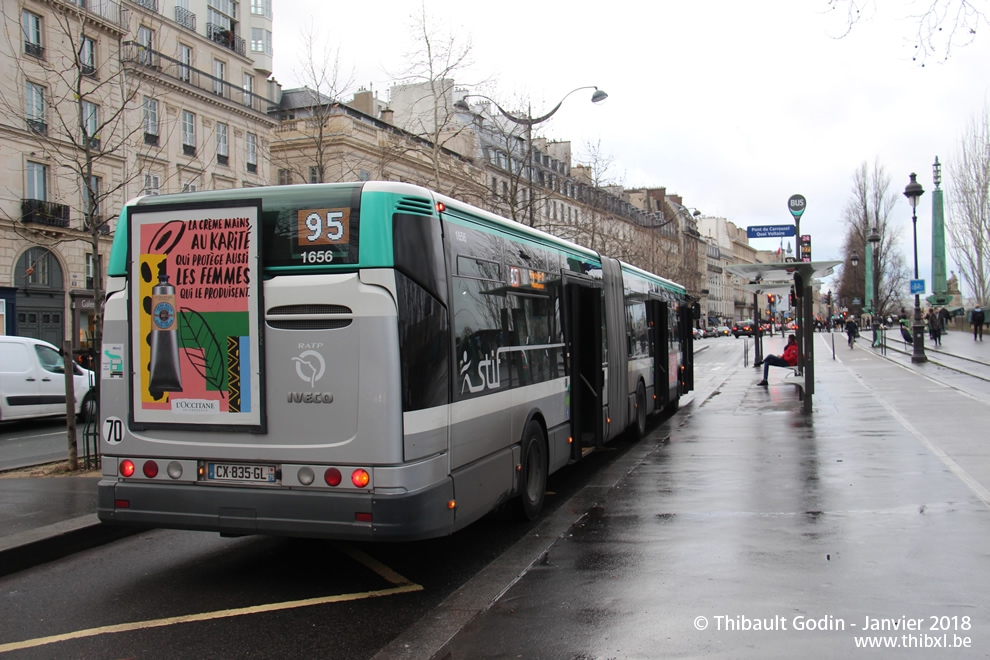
(310, 367)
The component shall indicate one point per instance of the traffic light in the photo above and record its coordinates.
(793, 299)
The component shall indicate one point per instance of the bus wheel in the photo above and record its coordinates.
(640, 410)
(533, 475)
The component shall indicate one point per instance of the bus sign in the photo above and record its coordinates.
(770, 231)
(796, 205)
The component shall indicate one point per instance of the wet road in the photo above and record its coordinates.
(866, 522)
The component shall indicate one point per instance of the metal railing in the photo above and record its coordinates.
(226, 38)
(132, 52)
(185, 18)
(45, 213)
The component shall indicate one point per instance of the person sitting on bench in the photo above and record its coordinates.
(788, 359)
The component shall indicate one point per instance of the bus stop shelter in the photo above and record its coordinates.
(773, 277)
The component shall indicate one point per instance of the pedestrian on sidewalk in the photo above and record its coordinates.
(935, 329)
(978, 319)
(787, 359)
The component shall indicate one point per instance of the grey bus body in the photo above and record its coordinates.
(435, 410)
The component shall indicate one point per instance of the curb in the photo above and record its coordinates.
(45, 544)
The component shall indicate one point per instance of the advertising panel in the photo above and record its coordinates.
(195, 316)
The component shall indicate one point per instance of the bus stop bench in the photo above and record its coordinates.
(797, 380)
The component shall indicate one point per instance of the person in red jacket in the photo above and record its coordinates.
(788, 359)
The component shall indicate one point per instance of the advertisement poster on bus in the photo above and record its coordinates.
(195, 316)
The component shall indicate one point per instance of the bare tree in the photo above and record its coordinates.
(306, 147)
(869, 207)
(428, 89)
(941, 25)
(969, 216)
(76, 109)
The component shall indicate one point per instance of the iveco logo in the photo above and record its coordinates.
(310, 397)
(310, 367)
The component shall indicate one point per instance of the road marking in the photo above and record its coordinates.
(402, 586)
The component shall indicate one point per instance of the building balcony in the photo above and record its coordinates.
(185, 18)
(226, 38)
(108, 10)
(159, 65)
(40, 212)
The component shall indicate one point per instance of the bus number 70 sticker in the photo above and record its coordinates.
(323, 227)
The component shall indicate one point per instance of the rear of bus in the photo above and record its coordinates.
(258, 384)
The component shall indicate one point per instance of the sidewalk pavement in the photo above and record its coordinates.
(741, 507)
(864, 404)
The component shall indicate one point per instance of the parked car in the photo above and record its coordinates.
(743, 328)
(723, 331)
(32, 380)
(698, 333)
(710, 331)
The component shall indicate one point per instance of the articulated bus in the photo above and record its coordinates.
(364, 361)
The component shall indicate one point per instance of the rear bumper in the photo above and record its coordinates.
(319, 514)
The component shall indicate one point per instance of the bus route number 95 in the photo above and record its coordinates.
(319, 227)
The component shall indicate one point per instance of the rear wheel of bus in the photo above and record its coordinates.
(640, 410)
(533, 473)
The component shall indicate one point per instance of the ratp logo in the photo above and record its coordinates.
(310, 366)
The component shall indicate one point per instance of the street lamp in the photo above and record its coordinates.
(874, 241)
(529, 121)
(913, 192)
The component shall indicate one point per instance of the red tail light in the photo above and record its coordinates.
(150, 469)
(332, 477)
(127, 468)
(360, 478)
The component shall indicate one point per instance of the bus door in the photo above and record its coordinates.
(583, 336)
(656, 315)
(689, 312)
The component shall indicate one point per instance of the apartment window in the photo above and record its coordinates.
(190, 186)
(90, 121)
(251, 147)
(185, 62)
(150, 120)
(219, 75)
(87, 56)
(188, 133)
(146, 38)
(37, 181)
(34, 110)
(248, 88)
(284, 177)
(38, 266)
(222, 153)
(261, 8)
(152, 184)
(314, 175)
(261, 41)
(31, 27)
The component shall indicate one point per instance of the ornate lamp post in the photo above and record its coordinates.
(874, 240)
(529, 121)
(913, 192)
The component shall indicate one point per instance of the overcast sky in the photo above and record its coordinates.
(734, 105)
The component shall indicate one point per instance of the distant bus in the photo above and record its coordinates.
(366, 361)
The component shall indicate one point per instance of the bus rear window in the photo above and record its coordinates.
(316, 225)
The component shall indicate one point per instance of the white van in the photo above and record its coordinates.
(32, 380)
